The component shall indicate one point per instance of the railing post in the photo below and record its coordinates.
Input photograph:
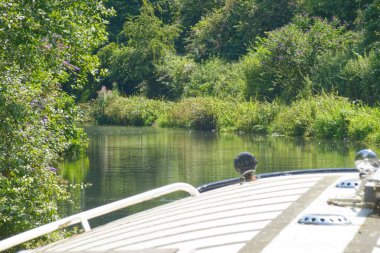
(85, 224)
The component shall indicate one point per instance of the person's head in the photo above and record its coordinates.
(245, 163)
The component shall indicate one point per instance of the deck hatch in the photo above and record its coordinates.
(324, 219)
(348, 183)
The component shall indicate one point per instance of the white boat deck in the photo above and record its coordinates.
(259, 216)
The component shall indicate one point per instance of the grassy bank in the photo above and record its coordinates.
(325, 116)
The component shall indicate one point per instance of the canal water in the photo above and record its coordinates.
(124, 161)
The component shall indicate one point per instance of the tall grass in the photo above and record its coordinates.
(247, 117)
(325, 116)
(329, 117)
(111, 108)
(190, 113)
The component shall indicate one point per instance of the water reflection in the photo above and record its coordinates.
(123, 161)
(75, 170)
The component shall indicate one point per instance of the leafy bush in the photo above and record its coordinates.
(342, 9)
(371, 24)
(216, 78)
(201, 113)
(132, 66)
(29, 201)
(323, 117)
(46, 46)
(349, 74)
(228, 31)
(281, 65)
(360, 78)
(181, 77)
(36, 130)
(326, 73)
(173, 73)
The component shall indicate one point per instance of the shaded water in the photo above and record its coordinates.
(124, 161)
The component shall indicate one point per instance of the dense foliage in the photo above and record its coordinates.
(46, 46)
(228, 31)
(132, 66)
(282, 64)
(232, 65)
(282, 52)
(267, 50)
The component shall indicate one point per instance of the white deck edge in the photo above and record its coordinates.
(83, 217)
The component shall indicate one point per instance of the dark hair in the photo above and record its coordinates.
(245, 163)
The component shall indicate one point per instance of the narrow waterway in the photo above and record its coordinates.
(124, 161)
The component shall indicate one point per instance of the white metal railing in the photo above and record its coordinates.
(96, 212)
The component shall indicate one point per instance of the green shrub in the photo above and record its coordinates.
(326, 73)
(282, 65)
(173, 73)
(374, 138)
(37, 128)
(105, 97)
(28, 197)
(180, 77)
(216, 78)
(349, 74)
(223, 115)
(361, 126)
(342, 9)
(371, 25)
(46, 51)
(228, 31)
(360, 78)
(132, 65)
(226, 113)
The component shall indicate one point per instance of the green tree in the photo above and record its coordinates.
(217, 78)
(173, 73)
(132, 66)
(228, 31)
(371, 24)
(166, 10)
(43, 44)
(37, 127)
(345, 10)
(190, 12)
(281, 65)
(360, 78)
(123, 10)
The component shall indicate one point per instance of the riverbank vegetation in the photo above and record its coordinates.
(323, 116)
(300, 68)
(246, 49)
(44, 47)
